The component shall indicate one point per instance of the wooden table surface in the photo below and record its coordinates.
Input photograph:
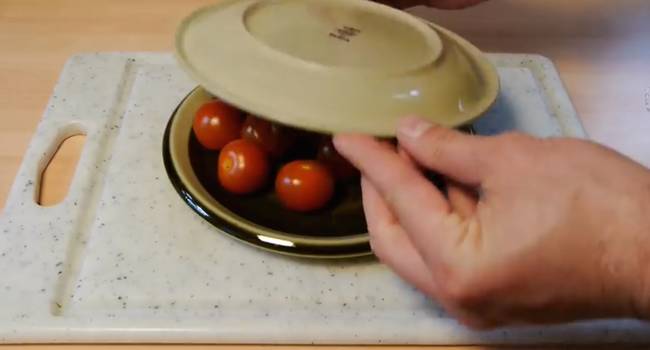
(601, 48)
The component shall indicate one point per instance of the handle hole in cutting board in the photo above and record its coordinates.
(57, 175)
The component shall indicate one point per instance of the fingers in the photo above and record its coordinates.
(407, 157)
(420, 207)
(462, 199)
(461, 157)
(396, 178)
(391, 244)
(393, 247)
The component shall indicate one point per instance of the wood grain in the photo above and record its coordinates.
(601, 47)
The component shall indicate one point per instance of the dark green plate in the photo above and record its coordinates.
(337, 231)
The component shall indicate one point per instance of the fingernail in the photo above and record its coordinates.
(413, 127)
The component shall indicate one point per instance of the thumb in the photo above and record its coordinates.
(457, 155)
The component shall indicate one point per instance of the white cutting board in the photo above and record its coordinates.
(122, 259)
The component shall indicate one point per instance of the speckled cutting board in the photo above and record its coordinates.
(123, 259)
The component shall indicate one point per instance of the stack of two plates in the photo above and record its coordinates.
(320, 65)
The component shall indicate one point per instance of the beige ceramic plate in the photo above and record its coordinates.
(335, 65)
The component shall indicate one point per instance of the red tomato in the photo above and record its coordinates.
(304, 185)
(339, 166)
(274, 139)
(216, 124)
(243, 167)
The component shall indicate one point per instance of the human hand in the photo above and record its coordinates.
(559, 232)
(441, 4)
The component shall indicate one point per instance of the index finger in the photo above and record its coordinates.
(418, 204)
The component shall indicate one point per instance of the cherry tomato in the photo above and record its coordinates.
(243, 167)
(274, 139)
(339, 166)
(304, 185)
(216, 124)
